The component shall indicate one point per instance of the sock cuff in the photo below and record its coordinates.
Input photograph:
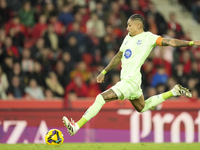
(160, 96)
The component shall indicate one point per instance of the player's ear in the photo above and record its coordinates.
(139, 26)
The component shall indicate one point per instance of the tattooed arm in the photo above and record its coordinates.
(177, 43)
(113, 63)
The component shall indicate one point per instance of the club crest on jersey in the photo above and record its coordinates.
(127, 53)
(139, 42)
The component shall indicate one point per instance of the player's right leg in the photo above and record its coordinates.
(142, 106)
(92, 111)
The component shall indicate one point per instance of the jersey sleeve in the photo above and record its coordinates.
(155, 39)
(122, 47)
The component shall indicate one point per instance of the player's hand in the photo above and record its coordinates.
(197, 43)
(100, 78)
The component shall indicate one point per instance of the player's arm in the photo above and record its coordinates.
(113, 63)
(175, 42)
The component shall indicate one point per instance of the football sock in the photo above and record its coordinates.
(81, 122)
(168, 94)
(152, 102)
(92, 110)
(157, 99)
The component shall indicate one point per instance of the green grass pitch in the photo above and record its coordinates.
(103, 146)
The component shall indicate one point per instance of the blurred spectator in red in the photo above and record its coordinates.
(174, 25)
(58, 26)
(151, 24)
(51, 38)
(65, 15)
(4, 84)
(159, 19)
(39, 28)
(115, 17)
(93, 87)
(33, 91)
(77, 18)
(5, 12)
(10, 49)
(123, 5)
(95, 26)
(88, 59)
(159, 60)
(78, 85)
(185, 58)
(15, 90)
(54, 85)
(135, 8)
(63, 77)
(84, 15)
(27, 62)
(16, 24)
(82, 70)
(26, 14)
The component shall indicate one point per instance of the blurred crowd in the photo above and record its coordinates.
(194, 7)
(56, 48)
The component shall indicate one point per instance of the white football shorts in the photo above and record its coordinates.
(127, 89)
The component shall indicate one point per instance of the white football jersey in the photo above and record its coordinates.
(135, 51)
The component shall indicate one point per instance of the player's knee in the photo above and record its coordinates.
(100, 99)
(139, 109)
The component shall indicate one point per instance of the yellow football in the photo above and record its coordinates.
(54, 137)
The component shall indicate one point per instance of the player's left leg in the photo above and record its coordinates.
(141, 105)
(92, 111)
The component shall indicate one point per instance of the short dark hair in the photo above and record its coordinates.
(138, 17)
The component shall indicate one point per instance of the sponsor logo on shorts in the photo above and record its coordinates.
(127, 53)
(139, 42)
